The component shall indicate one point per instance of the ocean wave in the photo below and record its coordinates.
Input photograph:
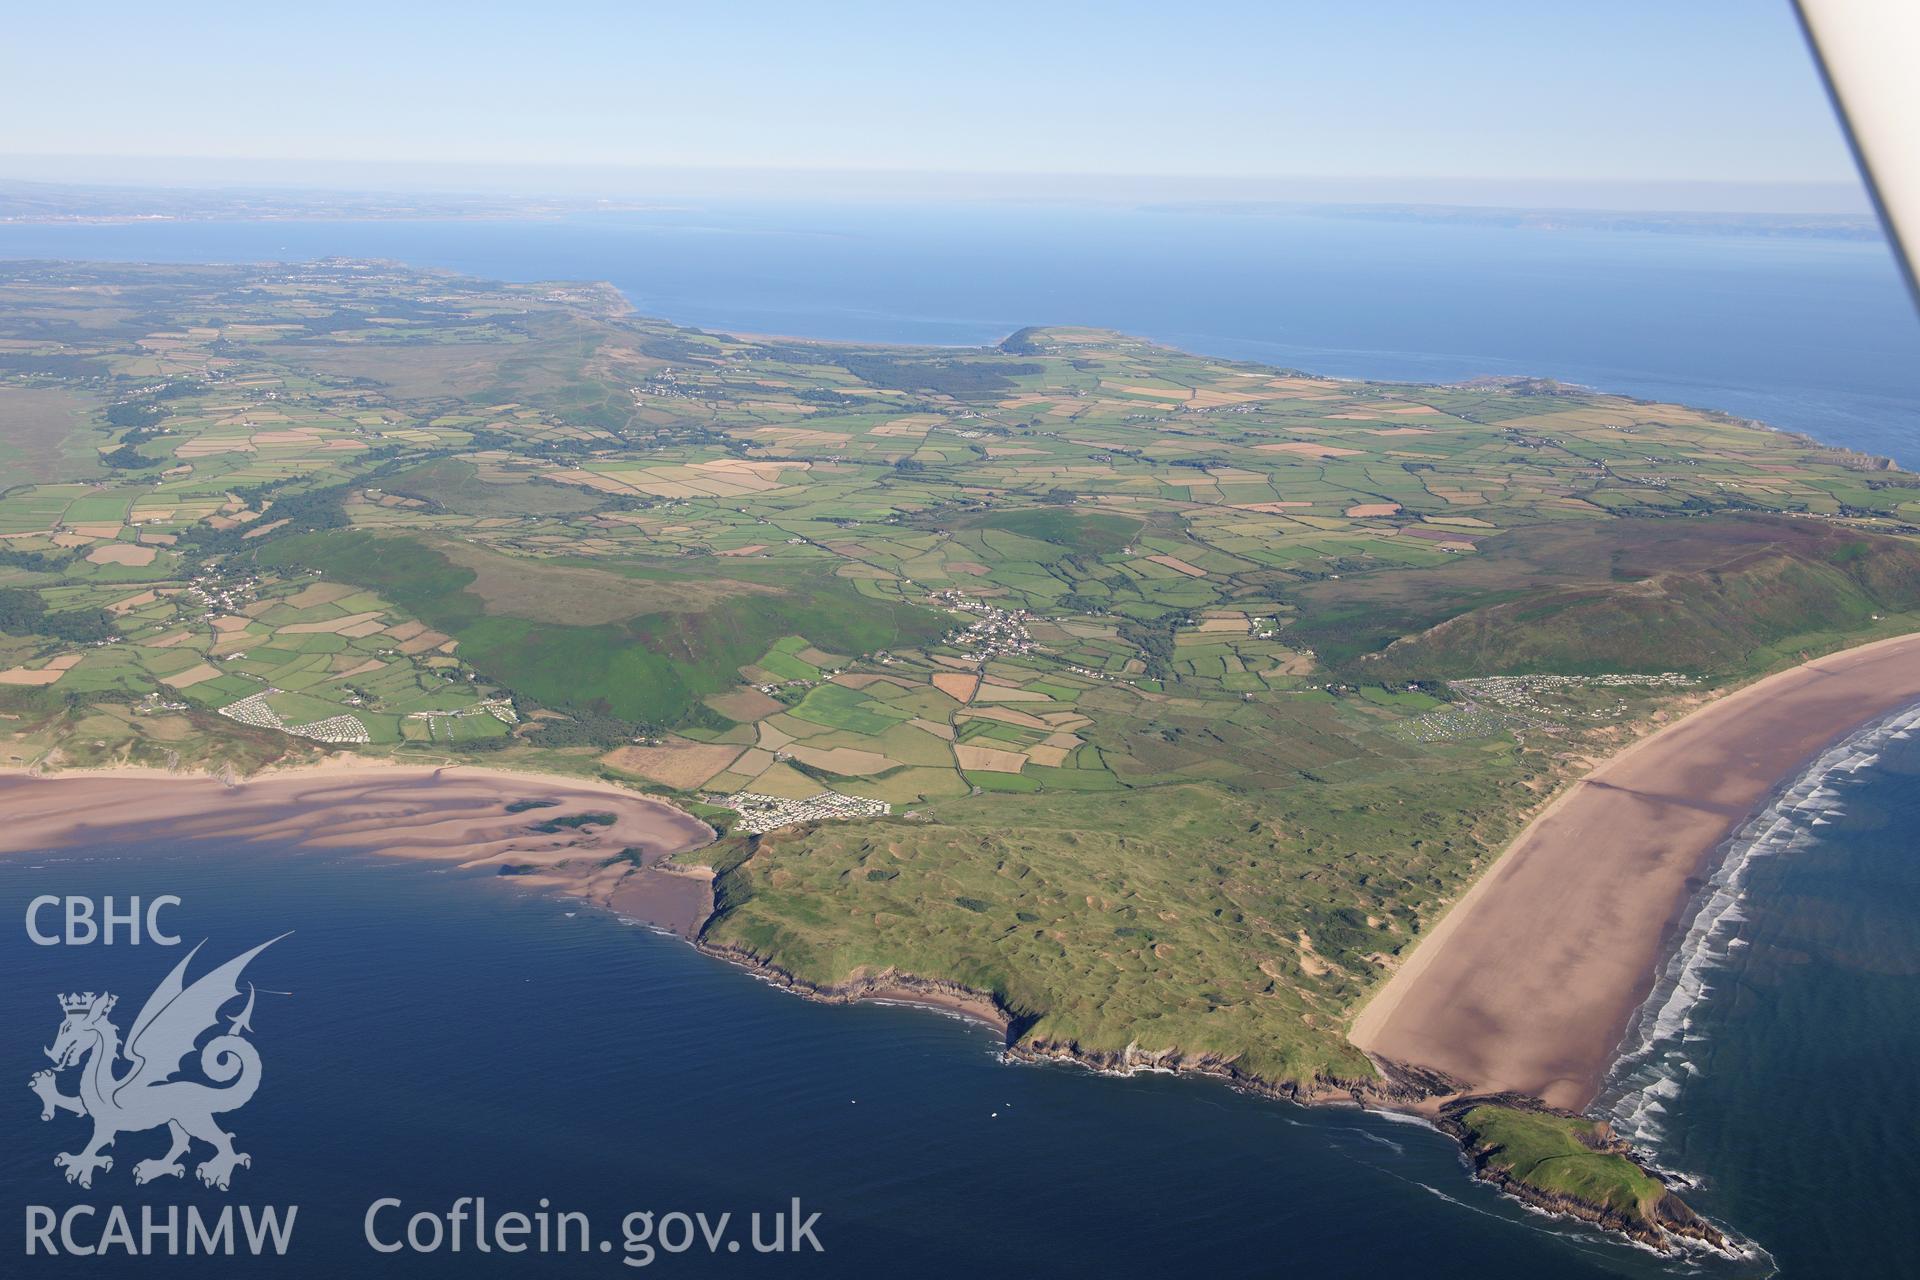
(1381, 1139)
(1653, 1064)
(1401, 1117)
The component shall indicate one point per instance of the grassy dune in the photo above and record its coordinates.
(1174, 918)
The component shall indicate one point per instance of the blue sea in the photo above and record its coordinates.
(1810, 335)
(1775, 1055)
(427, 1035)
(450, 1036)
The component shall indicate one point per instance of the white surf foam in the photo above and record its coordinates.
(1654, 1065)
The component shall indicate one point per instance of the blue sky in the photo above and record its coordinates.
(1695, 91)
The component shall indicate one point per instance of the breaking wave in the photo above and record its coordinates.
(1656, 1057)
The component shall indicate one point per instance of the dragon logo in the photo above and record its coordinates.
(146, 1095)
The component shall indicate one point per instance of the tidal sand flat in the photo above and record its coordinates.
(1530, 981)
(598, 841)
(593, 840)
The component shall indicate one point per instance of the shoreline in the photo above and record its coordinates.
(1594, 891)
(1636, 866)
(887, 986)
(177, 801)
(442, 813)
(469, 829)
(1408, 1084)
(1670, 1230)
(1652, 1052)
(584, 837)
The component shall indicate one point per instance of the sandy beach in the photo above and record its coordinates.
(1529, 982)
(475, 817)
(470, 816)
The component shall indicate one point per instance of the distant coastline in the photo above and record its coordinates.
(117, 204)
(1677, 318)
(1799, 226)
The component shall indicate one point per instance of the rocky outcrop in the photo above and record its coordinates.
(1318, 1089)
(883, 984)
(1668, 1225)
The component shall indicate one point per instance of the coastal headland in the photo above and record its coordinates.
(1528, 983)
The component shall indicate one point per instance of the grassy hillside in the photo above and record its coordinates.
(1723, 596)
(685, 638)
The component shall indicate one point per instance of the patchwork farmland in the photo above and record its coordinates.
(1169, 698)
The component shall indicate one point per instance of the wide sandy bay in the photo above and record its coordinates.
(1529, 982)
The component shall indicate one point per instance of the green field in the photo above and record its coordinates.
(1560, 1161)
(649, 667)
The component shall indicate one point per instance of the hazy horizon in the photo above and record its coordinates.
(1713, 107)
(641, 183)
